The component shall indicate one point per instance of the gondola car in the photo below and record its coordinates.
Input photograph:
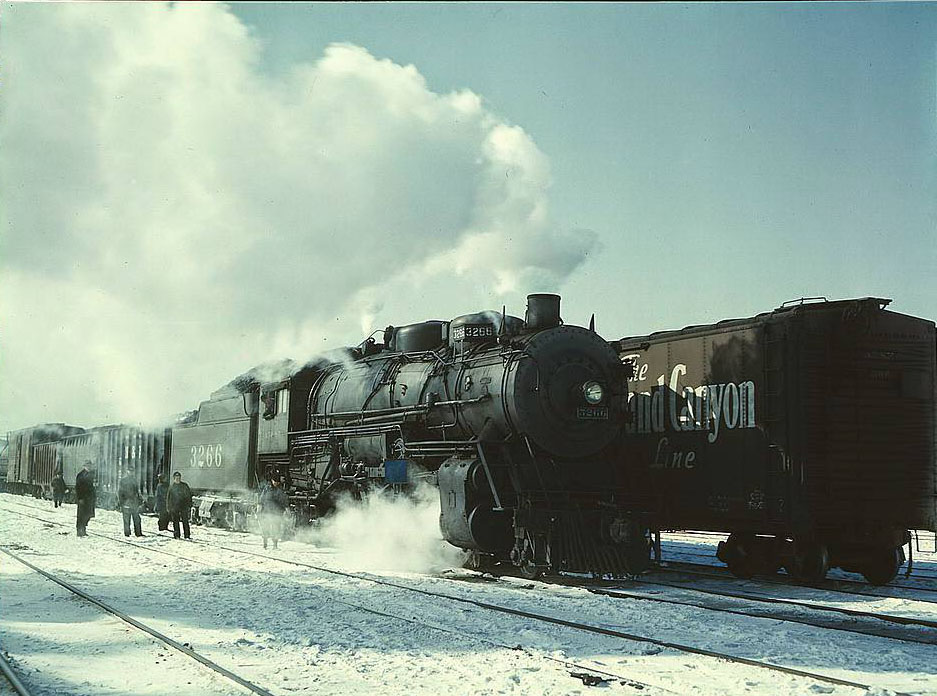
(112, 450)
(30, 461)
(808, 433)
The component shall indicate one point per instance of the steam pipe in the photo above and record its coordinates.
(417, 408)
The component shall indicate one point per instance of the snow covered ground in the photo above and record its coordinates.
(296, 630)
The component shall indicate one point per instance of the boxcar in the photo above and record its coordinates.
(808, 433)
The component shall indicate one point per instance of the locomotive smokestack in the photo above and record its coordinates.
(543, 311)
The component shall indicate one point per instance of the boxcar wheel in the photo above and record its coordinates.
(739, 555)
(810, 561)
(882, 565)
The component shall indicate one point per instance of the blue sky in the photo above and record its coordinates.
(191, 189)
(730, 156)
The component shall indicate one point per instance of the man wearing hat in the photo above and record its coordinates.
(84, 495)
(179, 502)
(129, 498)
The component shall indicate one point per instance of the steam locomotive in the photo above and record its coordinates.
(809, 433)
(514, 419)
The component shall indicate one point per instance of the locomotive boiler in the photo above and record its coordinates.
(514, 419)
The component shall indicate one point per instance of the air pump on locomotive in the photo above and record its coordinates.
(516, 419)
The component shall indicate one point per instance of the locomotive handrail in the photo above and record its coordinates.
(395, 410)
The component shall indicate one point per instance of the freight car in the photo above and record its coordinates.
(37, 453)
(29, 464)
(808, 433)
(113, 449)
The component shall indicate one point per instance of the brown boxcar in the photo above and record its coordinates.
(808, 433)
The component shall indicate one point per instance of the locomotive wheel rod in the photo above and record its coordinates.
(143, 627)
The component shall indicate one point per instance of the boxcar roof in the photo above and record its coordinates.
(801, 305)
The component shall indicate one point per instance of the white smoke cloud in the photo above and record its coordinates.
(172, 214)
(387, 533)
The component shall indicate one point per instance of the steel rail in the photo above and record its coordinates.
(625, 594)
(590, 670)
(11, 677)
(891, 618)
(723, 572)
(531, 615)
(590, 628)
(214, 666)
(817, 623)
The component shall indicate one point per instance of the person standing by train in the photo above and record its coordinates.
(129, 499)
(162, 511)
(179, 502)
(58, 488)
(84, 495)
(273, 505)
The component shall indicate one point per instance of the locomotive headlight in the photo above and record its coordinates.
(593, 392)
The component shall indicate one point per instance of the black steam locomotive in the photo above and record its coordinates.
(514, 419)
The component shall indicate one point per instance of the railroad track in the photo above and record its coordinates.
(496, 608)
(922, 637)
(923, 631)
(679, 553)
(831, 585)
(10, 677)
(126, 618)
(589, 674)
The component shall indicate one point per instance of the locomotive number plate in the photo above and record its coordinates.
(592, 413)
(470, 332)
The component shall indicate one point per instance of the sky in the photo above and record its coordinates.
(188, 190)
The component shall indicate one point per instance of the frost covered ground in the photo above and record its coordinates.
(295, 630)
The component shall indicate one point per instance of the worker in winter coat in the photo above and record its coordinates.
(179, 503)
(162, 492)
(84, 495)
(58, 489)
(129, 499)
(273, 505)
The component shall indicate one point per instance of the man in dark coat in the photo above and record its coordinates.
(179, 502)
(84, 495)
(162, 491)
(58, 489)
(273, 505)
(129, 499)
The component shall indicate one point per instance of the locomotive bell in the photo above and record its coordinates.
(543, 311)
